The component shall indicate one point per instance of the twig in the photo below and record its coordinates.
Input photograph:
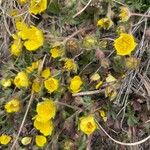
(88, 147)
(82, 9)
(23, 121)
(140, 15)
(87, 65)
(88, 93)
(122, 143)
(41, 65)
(5, 22)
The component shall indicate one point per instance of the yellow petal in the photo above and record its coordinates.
(95, 77)
(37, 6)
(46, 73)
(87, 124)
(110, 78)
(40, 140)
(26, 140)
(5, 139)
(125, 44)
(6, 83)
(99, 85)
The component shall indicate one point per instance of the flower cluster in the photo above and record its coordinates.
(25, 36)
(46, 111)
(62, 72)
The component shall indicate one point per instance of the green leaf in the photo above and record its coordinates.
(132, 120)
(54, 8)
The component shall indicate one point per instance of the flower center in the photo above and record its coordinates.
(89, 125)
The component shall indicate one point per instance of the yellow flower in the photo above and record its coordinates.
(16, 47)
(105, 23)
(12, 106)
(21, 80)
(56, 52)
(37, 6)
(20, 25)
(124, 14)
(36, 64)
(110, 78)
(45, 128)
(40, 140)
(36, 86)
(87, 124)
(95, 77)
(75, 85)
(5, 139)
(70, 65)
(28, 34)
(46, 73)
(45, 110)
(51, 84)
(26, 140)
(33, 43)
(6, 83)
(103, 115)
(110, 92)
(125, 44)
(29, 69)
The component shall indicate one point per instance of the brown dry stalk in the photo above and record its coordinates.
(82, 9)
(122, 143)
(23, 121)
(88, 93)
(140, 15)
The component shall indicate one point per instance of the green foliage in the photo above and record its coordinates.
(132, 120)
(140, 5)
(54, 8)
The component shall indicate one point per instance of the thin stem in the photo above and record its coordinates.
(122, 143)
(82, 9)
(88, 93)
(67, 105)
(23, 121)
(140, 15)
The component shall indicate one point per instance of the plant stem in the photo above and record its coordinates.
(140, 15)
